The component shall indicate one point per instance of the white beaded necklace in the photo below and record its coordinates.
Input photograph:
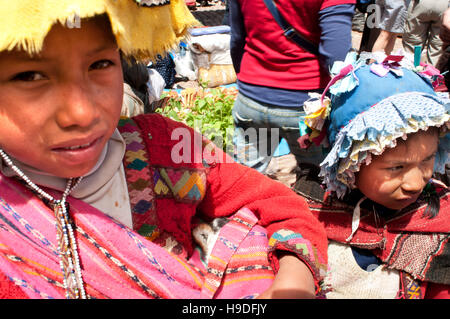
(67, 246)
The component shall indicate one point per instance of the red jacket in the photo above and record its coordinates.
(278, 61)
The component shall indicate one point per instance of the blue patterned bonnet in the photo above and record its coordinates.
(370, 110)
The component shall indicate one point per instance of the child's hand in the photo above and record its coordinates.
(294, 280)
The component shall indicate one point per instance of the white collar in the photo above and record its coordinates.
(107, 165)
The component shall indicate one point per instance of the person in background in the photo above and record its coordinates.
(226, 15)
(444, 62)
(135, 74)
(275, 76)
(422, 28)
(393, 14)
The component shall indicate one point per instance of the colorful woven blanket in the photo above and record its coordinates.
(119, 263)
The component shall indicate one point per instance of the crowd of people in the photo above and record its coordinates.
(417, 23)
(98, 205)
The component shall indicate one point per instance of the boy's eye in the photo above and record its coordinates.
(102, 64)
(28, 76)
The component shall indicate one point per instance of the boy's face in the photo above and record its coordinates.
(58, 109)
(396, 178)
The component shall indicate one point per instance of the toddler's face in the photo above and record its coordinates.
(58, 109)
(396, 178)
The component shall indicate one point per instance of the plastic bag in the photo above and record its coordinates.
(184, 65)
(155, 85)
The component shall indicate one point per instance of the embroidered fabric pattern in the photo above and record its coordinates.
(416, 253)
(146, 184)
(138, 175)
(295, 242)
(143, 186)
(184, 185)
(410, 288)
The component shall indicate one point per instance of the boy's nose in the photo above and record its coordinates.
(76, 106)
(414, 180)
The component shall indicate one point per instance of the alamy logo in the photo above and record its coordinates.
(373, 15)
(190, 148)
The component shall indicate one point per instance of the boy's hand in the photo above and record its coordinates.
(294, 280)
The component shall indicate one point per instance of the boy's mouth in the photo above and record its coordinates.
(75, 145)
(78, 152)
(78, 146)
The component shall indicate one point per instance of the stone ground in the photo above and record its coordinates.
(281, 168)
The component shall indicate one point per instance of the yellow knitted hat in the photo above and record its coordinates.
(143, 28)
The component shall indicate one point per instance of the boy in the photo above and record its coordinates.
(62, 96)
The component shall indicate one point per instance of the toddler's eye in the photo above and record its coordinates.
(431, 157)
(395, 168)
(102, 64)
(28, 76)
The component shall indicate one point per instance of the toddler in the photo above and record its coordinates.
(387, 219)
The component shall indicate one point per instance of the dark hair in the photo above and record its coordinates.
(432, 198)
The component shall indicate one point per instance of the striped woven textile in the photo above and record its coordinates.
(118, 262)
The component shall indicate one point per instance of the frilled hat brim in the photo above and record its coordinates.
(142, 28)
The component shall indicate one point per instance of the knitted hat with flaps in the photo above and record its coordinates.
(371, 107)
(142, 28)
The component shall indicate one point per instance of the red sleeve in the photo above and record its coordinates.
(284, 214)
(437, 291)
(8, 290)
